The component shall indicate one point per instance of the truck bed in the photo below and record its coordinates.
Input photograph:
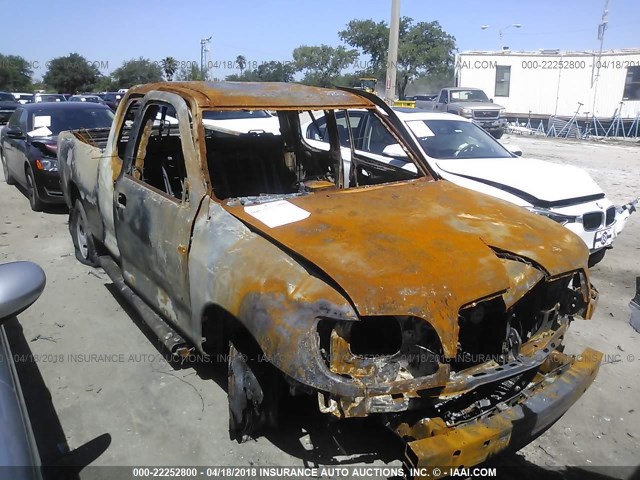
(96, 137)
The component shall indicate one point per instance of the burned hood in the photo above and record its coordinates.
(422, 248)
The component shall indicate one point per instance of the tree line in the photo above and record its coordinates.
(425, 58)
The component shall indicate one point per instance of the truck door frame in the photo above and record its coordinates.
(153, 229)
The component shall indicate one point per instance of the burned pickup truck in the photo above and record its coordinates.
(382, 292)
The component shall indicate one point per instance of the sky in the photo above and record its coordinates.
(108, 33)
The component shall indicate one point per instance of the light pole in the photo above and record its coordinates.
(501, 31)
(204, 48)
(392, 55)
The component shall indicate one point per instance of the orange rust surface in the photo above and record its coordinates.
(343, 362)
(421, 247)
(474, 442)
(257, 95)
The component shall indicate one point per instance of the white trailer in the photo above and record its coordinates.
(551, 82)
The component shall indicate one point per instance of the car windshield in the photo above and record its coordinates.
(59, 120)
(468, 96)
(234, 114)
(7, 97)
(455, 139)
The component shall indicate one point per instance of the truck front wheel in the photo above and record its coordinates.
(497, 134)
(83, 242)
(252, 392)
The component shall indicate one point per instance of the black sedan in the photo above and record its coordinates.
(8, 105)
(28, 145)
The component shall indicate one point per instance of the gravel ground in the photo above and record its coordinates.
(129, 406)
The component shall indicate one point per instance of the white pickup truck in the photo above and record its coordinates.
(471, 103)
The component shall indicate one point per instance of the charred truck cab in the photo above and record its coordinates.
(381, 291)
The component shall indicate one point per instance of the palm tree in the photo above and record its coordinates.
(169, 66)
(241, 62)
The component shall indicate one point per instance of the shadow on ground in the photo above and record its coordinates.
(52, 208)
(57, 461)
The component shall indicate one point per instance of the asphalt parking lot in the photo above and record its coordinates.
(98, 385)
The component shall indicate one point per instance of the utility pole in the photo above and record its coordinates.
(595, 69)
(392, 55)
(204, 48)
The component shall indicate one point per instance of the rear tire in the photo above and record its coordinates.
(83, 241)
(252, 392)
(32, 191)
(5, 170)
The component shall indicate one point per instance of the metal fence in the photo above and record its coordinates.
(579, 128)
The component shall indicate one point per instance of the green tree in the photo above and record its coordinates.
(241, 61)
(15, 73)
(247, 76)
(322, 64)
(372, 39)
(431, 83)
(424, 49)
(191, 73)
(266, 72)
(104, 83)
(136, 72)
(70, 74)
(169, 67)
(275, 72)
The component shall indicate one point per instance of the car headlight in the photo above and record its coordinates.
(502, 112)
(556, 217)
(466, 112)
(47, 164)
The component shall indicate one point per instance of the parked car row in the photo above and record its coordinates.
(9, 100)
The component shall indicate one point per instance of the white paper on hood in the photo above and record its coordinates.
(278, 213)
(40, 132)
(420, 129)
(41, 121)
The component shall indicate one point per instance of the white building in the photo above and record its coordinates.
(550, 82)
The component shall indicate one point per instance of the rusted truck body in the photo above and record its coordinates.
(384, 293)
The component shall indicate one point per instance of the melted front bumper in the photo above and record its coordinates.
(433, 444)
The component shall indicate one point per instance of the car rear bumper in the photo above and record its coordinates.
(507, 427)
